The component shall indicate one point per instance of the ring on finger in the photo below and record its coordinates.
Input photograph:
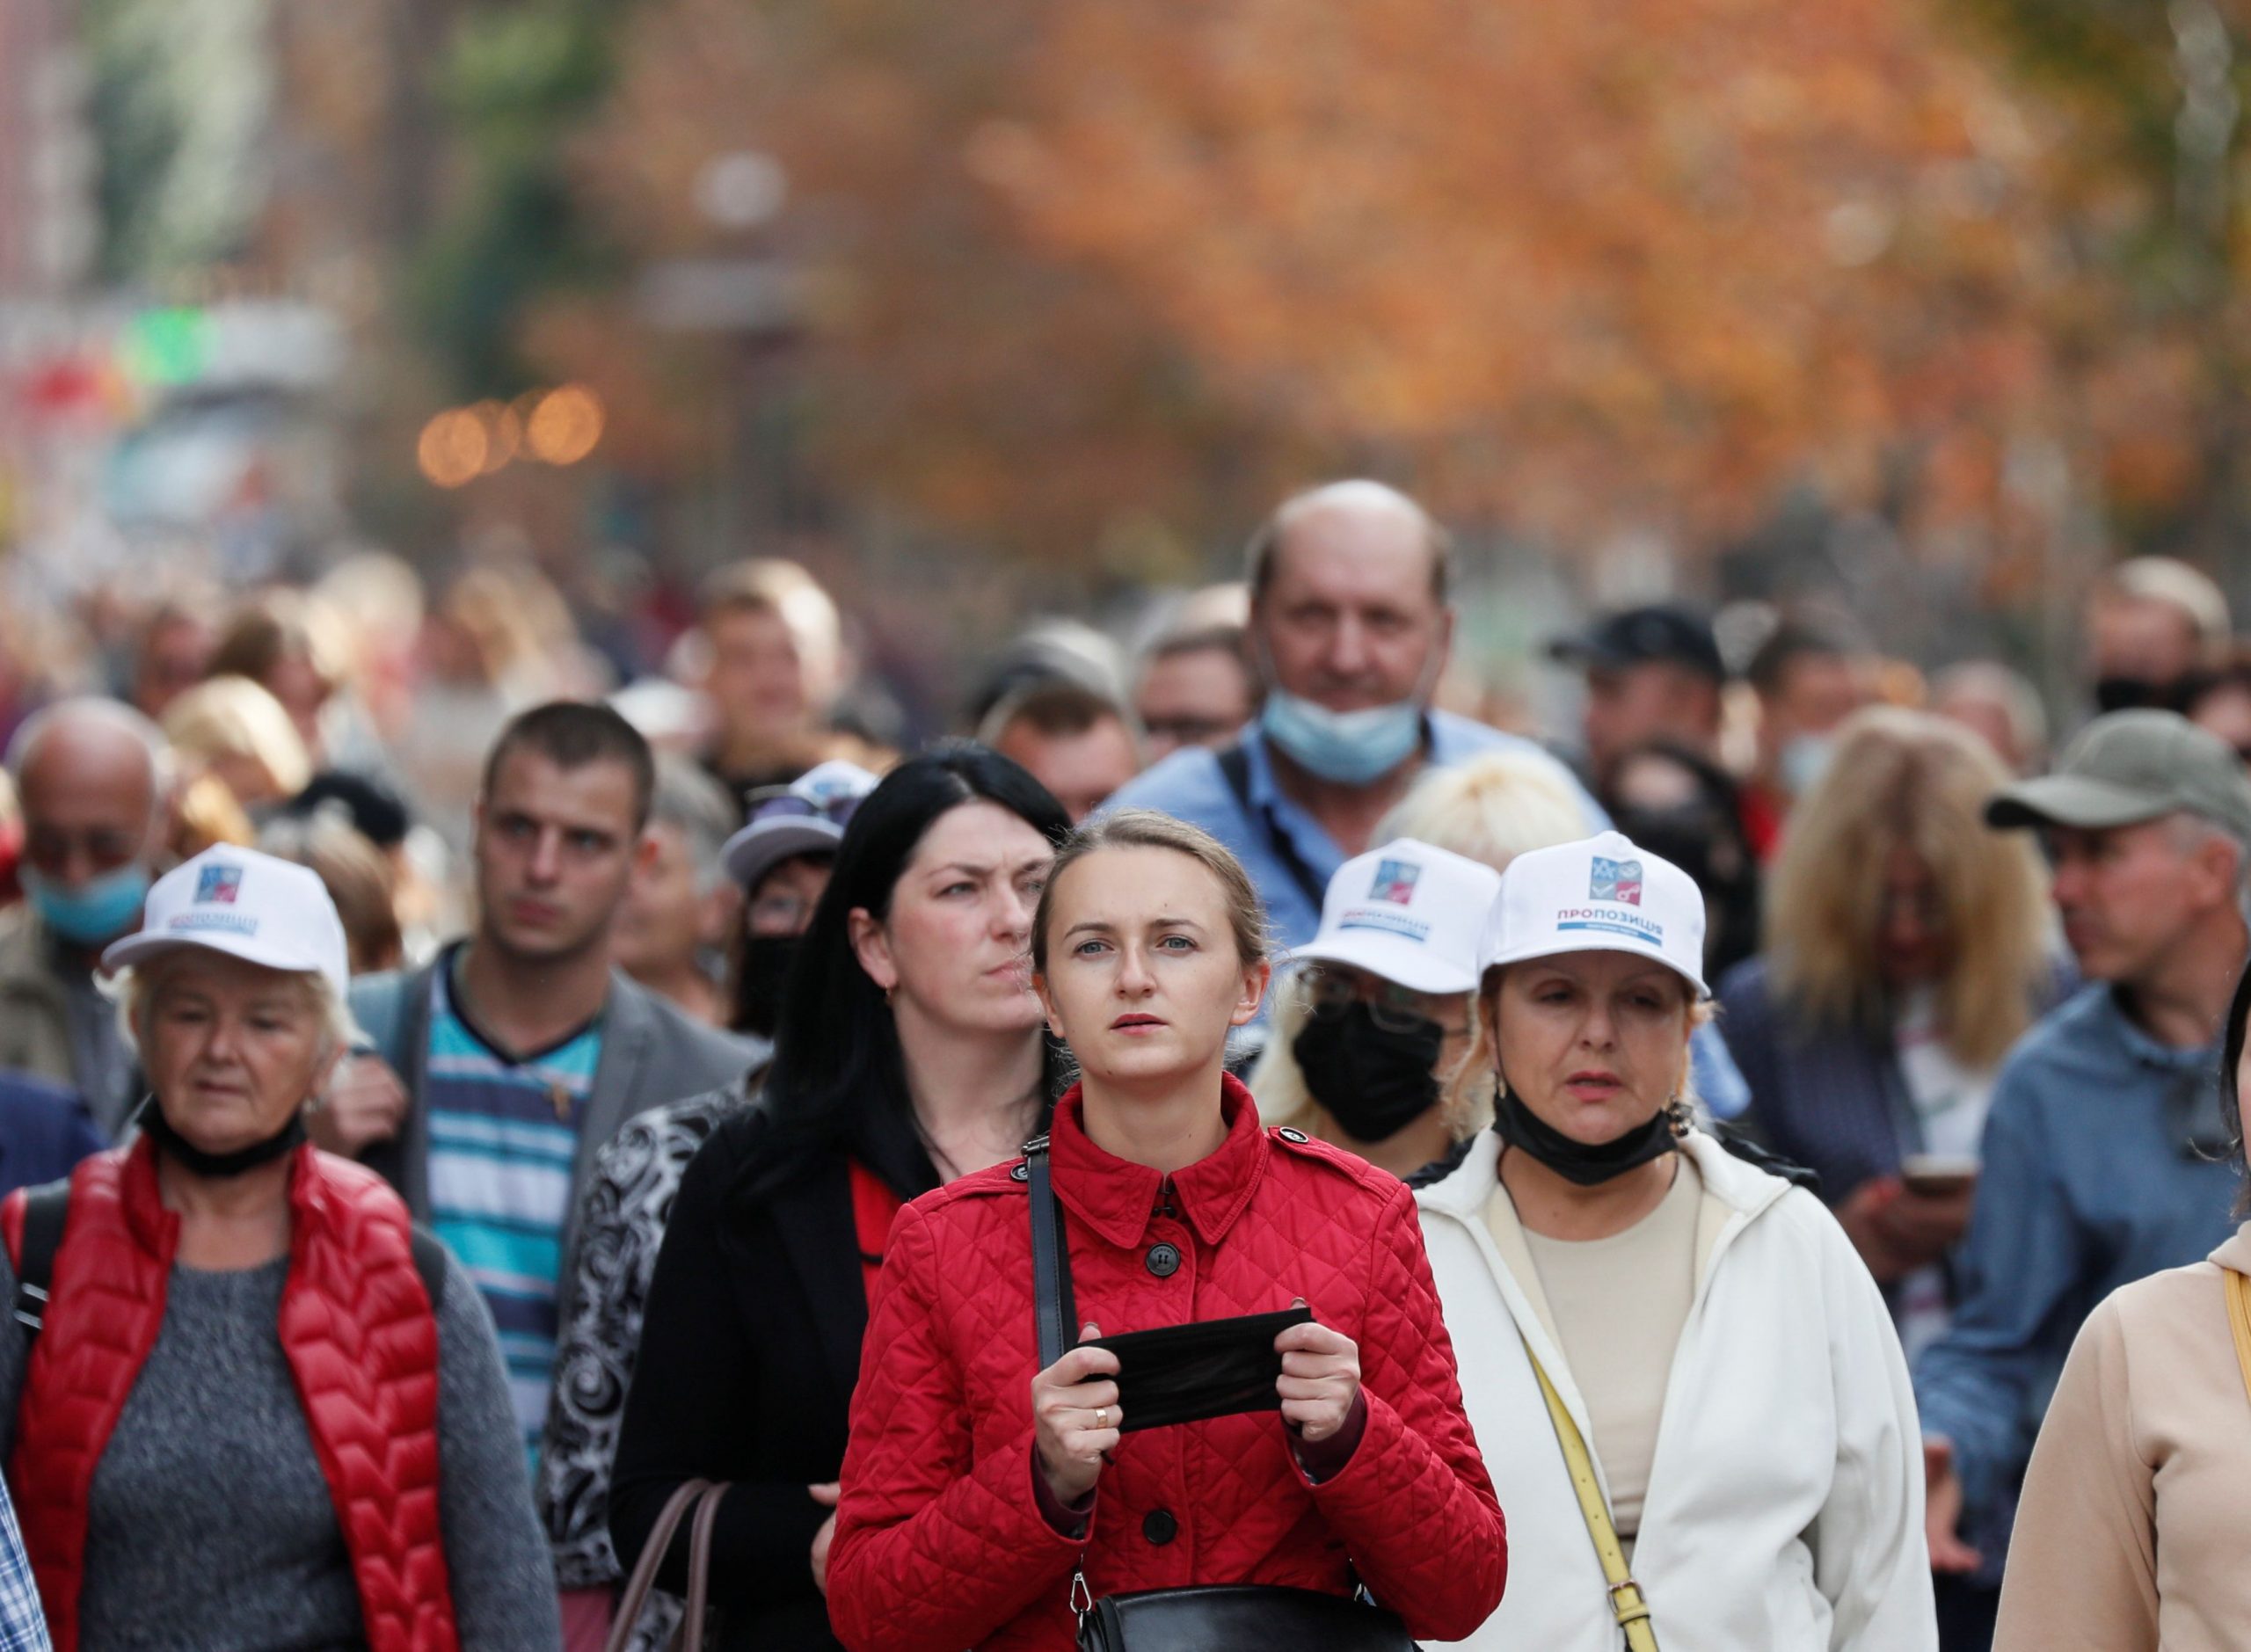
(1102, 1417)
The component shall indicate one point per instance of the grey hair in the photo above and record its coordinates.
(97, 709)
(132, 989)
(698, 808)
(2192, 831)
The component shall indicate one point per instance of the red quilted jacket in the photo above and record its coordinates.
(355, 1322)
(940, 1542)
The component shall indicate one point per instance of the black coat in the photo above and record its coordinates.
(748, 1355)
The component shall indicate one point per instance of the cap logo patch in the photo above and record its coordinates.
(1615, 880)
(1395, 882)
(221, 883)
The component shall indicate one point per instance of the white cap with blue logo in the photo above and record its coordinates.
(1601, 894)
(1408, 912)
(251, 906)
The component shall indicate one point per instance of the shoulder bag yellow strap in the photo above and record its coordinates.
(2239, 1319)
(1625, 1594)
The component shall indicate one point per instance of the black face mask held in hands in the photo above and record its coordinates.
(1589, 1166)
(1372, 1081)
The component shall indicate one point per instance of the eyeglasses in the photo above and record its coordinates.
(1391, 1006)
(780, 802)
(783, 913)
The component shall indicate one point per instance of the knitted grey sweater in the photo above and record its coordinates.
(211, 1528)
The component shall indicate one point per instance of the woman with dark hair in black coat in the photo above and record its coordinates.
(913, 1052)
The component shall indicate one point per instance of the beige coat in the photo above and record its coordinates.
(2136, 1524)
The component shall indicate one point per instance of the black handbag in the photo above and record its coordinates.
(1212, 1618)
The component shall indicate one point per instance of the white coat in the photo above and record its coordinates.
(1785, 1503)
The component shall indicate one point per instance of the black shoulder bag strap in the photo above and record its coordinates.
(1052, 1308)
(46, 1210)
(1235, 768)
(430, 1262)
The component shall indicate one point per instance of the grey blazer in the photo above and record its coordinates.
(650, 1054)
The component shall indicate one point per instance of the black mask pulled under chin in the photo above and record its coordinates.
(1588, 1165)
(219, 1166)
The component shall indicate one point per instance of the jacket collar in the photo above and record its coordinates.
(1115, 1198)
(156, 1230)
(2235, 1251)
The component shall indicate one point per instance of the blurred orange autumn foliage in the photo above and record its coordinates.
(1575, 269)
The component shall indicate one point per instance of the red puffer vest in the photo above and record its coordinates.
(940, 1542)
(361, 1340)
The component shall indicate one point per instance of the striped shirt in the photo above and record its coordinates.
(504, 1136)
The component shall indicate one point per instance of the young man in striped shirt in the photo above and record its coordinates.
(520, 1051)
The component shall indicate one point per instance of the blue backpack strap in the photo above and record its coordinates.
(45, 1211)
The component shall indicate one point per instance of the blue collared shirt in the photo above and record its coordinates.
(1188, 786)
(2089, 1182)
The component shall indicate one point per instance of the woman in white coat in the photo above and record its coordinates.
(1718, 1357)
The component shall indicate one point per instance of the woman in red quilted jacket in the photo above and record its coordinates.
(976, 1485)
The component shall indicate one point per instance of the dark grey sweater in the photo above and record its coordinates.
(211, 1528)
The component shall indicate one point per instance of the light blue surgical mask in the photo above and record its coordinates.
(1804, 760)
(1349, 747)
(104, 908)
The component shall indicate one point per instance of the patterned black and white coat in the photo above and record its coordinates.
(622, 1218)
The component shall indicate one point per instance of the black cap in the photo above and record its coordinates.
(378, 812)
(1641, 637)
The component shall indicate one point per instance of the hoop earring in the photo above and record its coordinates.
(1680, 1117)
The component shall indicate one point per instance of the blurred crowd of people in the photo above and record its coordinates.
(669, 978)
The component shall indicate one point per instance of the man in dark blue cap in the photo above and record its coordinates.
(1653, 676)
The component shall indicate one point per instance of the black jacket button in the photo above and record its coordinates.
(1165, 1262)
(1159, 1527)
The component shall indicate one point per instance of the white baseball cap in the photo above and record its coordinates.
(807, 817)
(1408, 912)
(247, 904)
(1601, 894)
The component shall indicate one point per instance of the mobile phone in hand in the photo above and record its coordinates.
(1937, 1175)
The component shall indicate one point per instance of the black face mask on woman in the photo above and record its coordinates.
(766, 960)
(219, 1166)
(1373, 1080)
(1588, 1165)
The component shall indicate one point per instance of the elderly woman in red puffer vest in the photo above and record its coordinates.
(976, 1488)
(257, 1407)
